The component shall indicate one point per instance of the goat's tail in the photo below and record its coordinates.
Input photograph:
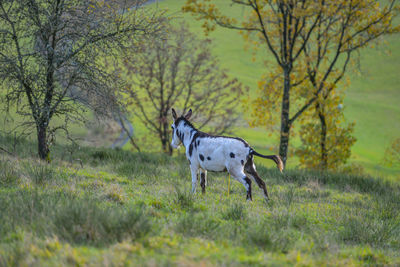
(275, 158)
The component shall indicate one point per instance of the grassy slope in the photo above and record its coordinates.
(371, 101)
(121, 208)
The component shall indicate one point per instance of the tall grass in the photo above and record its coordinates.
(8, 174)
(76, 220)
(138, 207)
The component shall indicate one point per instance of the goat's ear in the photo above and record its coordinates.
(174, 114)
(189, 114)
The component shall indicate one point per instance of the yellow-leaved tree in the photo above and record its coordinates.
(326, 139)
(392, 154)
(290, 30)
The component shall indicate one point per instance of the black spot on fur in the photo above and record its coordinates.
(180, 135)
(190, 150)
(201, 157)
(208, 158)
(242, 162)
(232, 155)
(198, 142)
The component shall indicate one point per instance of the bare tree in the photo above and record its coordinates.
(50, 53)
(180, 72)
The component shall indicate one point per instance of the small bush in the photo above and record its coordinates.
(84, 221)
(115, 193)
(8, 174)
(197, 225)
(135, 169)
(14, 254)
(266, 236)
(184, 199)
(31, 209)
(235, 212)
(81, 221)
(40, 173)
(359, 229)
(260, 236)
(101, 155)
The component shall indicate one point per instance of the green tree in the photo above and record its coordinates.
(49, 57)
(326, 141)
(288, 29)
(392, 154)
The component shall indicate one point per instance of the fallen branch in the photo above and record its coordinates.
(5, 150)
(127, 132)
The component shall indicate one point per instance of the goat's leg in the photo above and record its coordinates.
(203, 180)
(194, 170)
(250, 170)
(241, 177)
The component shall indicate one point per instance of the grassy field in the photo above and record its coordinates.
(102, 207)
(371, 101)
(116, 208)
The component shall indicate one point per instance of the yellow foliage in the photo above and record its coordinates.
(315, 39)
(339, 137)
(392, 154)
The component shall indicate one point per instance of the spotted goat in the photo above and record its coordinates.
(207, 152)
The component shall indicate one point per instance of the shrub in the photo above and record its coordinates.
(235, 212)
(267, 236)
(376, 231)
(85, 221)
(197, 225)
(40, 173)
(77, 220)
(8, 174)
(184, 199)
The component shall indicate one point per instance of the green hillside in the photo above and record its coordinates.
(93, 207)
(371, 101)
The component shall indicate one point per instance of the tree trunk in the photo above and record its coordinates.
(166, 147)
(170, 150)
(285, 121)
(43, 148)
(165, 136)
(324, 152)
(163, 140)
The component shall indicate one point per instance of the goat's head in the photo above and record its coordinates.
(176, 141)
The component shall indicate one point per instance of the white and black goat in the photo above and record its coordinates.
(217, 153)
